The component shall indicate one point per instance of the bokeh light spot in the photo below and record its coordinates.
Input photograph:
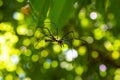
(1, 78)
(70, 66)
(117, 77)
(76, 42)
(35, 57)
(108, 45)
(103, 74)
(75, 5)
(82, 14)
(18, 16)
(1, 3)
(63, 64)
(90, 39)
(40, 44)
(11, 38)
(104, 27)
(95, 54)
(93, 15)
(9, 77)
(71, 54)
(79, 70)
(10, 67)
(65, 48)
(26, 42)
(98, 34)
(46, 65)
(2, 39)
(82, 50)
(20, 0)
(27, 52)
(117, 72)
(57, 48)
(21, 75)
(84, 22)
(54, 64)
(14, 59)
(115, 55)
(6, 27)
(4, 53)
(116, 44)
(102, 67)
(2, 65)
(66, 65)
(27, 78)
(22, 30)
(38, 34)
(23, 48)
(20, 72)
(44, 53)
(78, 78)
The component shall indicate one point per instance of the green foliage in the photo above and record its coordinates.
(91, 52)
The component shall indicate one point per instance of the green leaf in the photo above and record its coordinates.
(39, 9)
(60, 11)
(100, 6)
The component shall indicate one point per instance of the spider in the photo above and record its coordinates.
(54, 39)
(50, 37)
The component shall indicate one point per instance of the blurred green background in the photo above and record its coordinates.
(24, 54)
